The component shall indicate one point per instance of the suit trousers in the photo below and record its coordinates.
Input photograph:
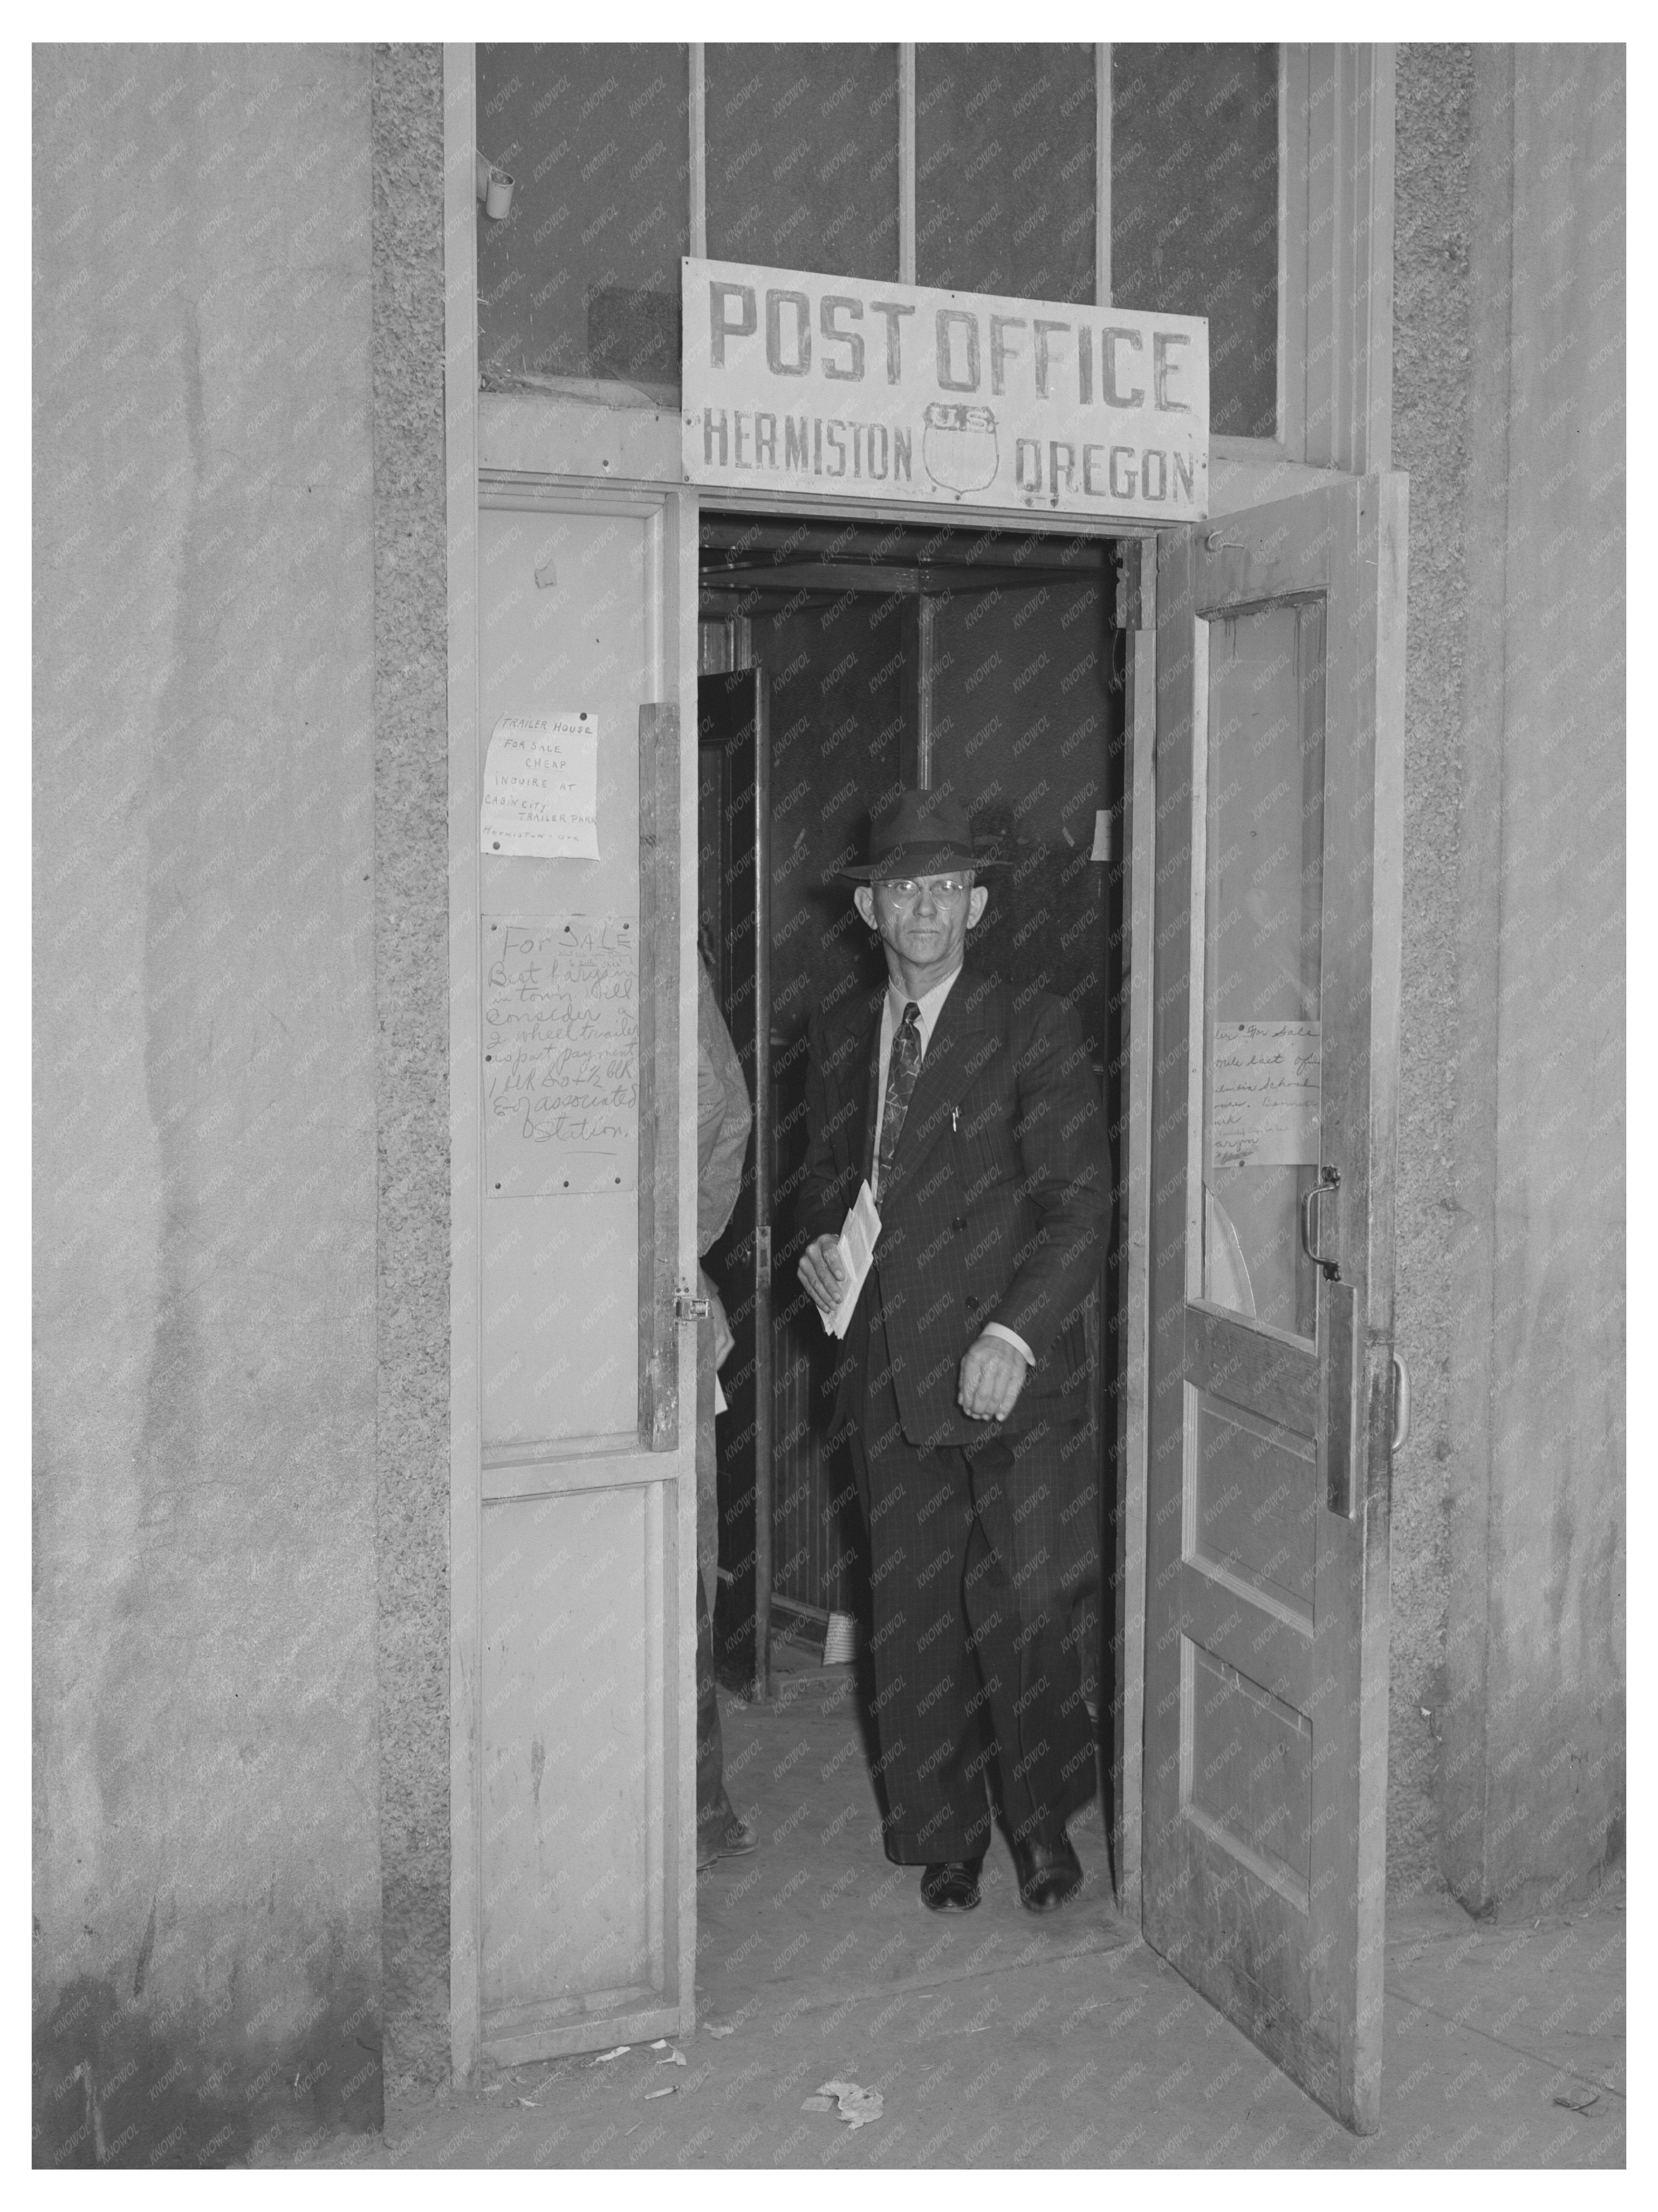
(979, 1684)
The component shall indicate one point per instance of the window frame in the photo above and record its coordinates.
(1335, 278)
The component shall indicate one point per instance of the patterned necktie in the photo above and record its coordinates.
(903, 1069)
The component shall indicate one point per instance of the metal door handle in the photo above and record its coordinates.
(1308, 1199)
(1329, 1179)
(1401, 1404)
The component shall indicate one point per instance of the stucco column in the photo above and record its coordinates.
(1533, 1773)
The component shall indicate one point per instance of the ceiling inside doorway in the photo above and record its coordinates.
(746, 555)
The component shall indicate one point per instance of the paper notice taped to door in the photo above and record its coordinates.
(541, 787)
(561, 1055)
(1264, 1096)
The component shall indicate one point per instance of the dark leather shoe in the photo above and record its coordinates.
(952, 1885)
(1050, 1874)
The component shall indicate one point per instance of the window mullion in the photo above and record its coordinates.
(1294, 161)
(1103, 176)
(699, 158)
(906, 165)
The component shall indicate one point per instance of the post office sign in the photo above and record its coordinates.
(796, 382)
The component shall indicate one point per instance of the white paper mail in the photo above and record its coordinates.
(858, 1235)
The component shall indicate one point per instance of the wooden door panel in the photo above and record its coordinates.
(574, 1713)
(1251, 1499)
(561, 1274)
(569, 1768)
(1267, 1614)
(1253, 1367)
(1226, 1617)
(1252, 1770)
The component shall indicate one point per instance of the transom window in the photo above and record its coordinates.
(1147, 177)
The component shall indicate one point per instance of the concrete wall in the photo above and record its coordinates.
(1507, 1724)
(411, 994)
(1534, 1750)
(206, 1866)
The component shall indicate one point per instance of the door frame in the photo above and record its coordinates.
(577, 451)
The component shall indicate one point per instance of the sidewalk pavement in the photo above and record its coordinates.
(997, 2039)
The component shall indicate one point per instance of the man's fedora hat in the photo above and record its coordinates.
(925, 834)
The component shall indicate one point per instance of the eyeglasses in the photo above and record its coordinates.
(906, 890)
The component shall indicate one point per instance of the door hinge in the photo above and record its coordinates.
(687, 1306)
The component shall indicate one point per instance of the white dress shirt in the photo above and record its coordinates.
(892, 1016)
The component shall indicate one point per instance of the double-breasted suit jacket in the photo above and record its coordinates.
(995, 1209)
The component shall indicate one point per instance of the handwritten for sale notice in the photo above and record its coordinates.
(1264, 1096)
(560, 1055)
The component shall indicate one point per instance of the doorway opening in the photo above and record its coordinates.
(842, 661)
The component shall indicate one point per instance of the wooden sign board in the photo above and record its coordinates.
(795, 382)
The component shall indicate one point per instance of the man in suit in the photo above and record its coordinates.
(970, 1106)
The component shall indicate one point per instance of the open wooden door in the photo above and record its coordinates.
(1279, 824)
(574, 1386)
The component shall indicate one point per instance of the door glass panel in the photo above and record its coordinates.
(1263, 843)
